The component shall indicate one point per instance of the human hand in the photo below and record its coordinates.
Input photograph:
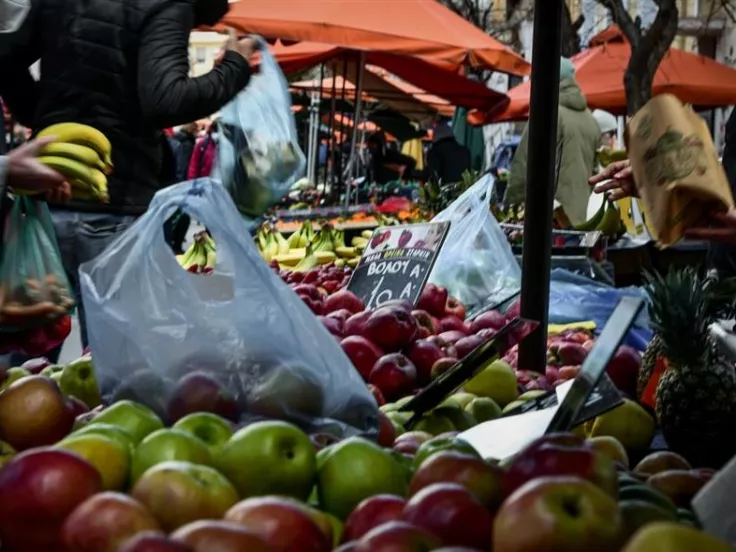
(26, 173)
(621, 180)
(724, 231)
(245, 47)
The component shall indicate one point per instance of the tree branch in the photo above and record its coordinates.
(628, 25)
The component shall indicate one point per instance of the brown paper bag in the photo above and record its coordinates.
(676, 168)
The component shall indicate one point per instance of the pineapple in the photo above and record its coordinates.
(696, 396)
(648, 362)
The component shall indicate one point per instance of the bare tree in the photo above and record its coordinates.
(648, 47)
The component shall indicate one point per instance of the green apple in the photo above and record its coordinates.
(483, 409)
(638, 513)
(439, 444)
(6, 453)
(399, 418)
(434, 423)
(496, 381)
(460, 419)
(462, 398)
(213, 430)
(13, 375)
(531, 394)
(388, 407)
(135, 418)
(269, 457)
(117, 434)
(354, 470)
(50, 370)
(168, 444)
(78, 380)
(177, 493)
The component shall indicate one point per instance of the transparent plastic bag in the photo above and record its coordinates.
(34, 289)
(258, 155)
(476, 263)
(151, 323)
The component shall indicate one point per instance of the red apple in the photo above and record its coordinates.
(390, 328)
(343, 299)
(394, 375)
(355, 325)
(455, 307)
(452, 323)
(39, 488)
(397, 536)
(491, 319)
(314, 305)
(571, 353)
(77, 407)
(433, 299)
(624, 369)
(386, 430)
(341, 314)
(452, 514)
(347, 547)
(201, 392)
(403, 304)
(453, 336)
(153, 542)
(448, 348)
(424, 354)
(466, 345)
(333, 325)
(33, 413)
(481, 478)
(561, 454)
(425, 320)
(35, 365)
(558, 513)
(376, 392)
(441, 366)
(371, 513)
(219, 536)
(280, 523)
(552, 373)
(514, 311)
(362, 353)
(309, 290)
(104, 521)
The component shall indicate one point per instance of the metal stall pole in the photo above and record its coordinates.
(540, 184)
(354, 141)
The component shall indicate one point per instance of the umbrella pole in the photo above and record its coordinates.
(354, 141)
(540, 183)
(330, 168)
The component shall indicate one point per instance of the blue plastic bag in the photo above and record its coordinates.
(476, 263)
(151, 323)
(258, 155)
(575, 298)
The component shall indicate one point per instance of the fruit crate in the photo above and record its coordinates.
(565, 243)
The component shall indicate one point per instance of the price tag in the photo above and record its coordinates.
(397, 262)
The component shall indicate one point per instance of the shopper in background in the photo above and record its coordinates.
(578, 139)
(447, 159)
(203, 156)
(130, 80)
(387, 165)
(609, 128)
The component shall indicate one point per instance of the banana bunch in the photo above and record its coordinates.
(83, 155)
(270, 242)
(606, 220)
(351, 255)
(303, 236)
(201, 256)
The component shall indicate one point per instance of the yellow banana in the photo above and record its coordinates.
(68, 167)
(83, 190)
(283, 245)
(359, 249)
(324, 257)
(324, 243)
(262, 239)
(83, 135)
(294, 240)
(609, 225)
(338, 238)
(359, 241)
(308, 262)
(339, 263)
(593, 222)
(83, 154)
(352, 263)
(287, 260)
(345, 252)
(367, 234)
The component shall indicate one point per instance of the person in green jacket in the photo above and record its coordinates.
(578, 137)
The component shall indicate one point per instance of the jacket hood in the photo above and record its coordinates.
(570, 95)
(209, 12)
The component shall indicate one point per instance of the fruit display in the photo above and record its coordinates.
(83, 155)
(306, 249)
(201, 256)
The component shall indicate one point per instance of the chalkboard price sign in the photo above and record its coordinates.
(396, 262)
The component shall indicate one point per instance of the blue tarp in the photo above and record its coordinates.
(574, 298)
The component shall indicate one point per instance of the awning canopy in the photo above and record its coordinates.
(404, 27)
(419, 75)
(694, 79)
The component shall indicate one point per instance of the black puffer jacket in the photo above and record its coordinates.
(121, 66)
(723, 257)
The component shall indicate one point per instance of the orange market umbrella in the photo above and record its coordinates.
(404, 27)
(694, 79)
(420, 76)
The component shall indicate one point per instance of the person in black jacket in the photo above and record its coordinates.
(123, 68)
(447, 160)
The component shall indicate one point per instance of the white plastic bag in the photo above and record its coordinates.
(151, 323)
(258, 155)
(476, 263)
